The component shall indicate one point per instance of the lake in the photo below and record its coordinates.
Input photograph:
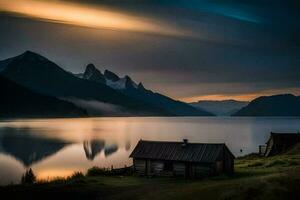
(58, 147)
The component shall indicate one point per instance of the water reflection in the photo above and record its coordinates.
(93, 148)
(127, 145)
(58, 147)
(28, 148)
(23, 148)
(109, 150)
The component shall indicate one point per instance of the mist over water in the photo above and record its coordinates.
(58, 147)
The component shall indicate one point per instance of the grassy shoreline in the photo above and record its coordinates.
(255, 177)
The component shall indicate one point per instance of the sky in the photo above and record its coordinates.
(189, 50)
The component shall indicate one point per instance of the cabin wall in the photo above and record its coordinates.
(183, 169)
(201, 170)
(139, 166)
(228, 163)
(278, 144)
(150, 167)
(224, 163)
(262, 149)
(156, 167)
(179, 169)
(219, 166)
(269, 147)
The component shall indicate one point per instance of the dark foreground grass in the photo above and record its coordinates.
(255, 178)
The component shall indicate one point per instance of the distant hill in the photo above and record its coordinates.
(220, 108)
(18, 101)
(277, 105)
(128, 87)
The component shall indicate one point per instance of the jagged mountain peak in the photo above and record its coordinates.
(50, 79)
(129, 83)
(90, 66)
(128, 77)
(111, 76)
(47, 78)
(91, 69)
(93, 74)
(141, 86)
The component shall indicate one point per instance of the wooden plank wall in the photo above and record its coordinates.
(201, 170)
(139, 166)
(157, 167)
(179, 169)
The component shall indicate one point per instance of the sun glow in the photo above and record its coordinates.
(87, 16)
(241, 97)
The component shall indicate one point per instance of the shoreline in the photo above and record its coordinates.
(254, 175)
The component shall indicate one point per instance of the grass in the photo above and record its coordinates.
(255, 177)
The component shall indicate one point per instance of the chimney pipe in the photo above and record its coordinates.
(185, 142)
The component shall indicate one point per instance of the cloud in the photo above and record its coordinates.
(94, 107)
(88, 16)
(226, 55)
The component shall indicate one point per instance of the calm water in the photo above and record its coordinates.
(58, 147)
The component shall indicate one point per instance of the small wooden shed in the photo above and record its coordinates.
(280, 142)
(181, 159)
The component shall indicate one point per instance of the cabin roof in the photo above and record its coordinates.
(281, 138)
(177, 151)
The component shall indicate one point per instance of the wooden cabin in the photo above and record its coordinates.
(280, 143)
(181, 159)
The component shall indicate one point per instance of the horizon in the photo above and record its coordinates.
(216, 97)
(242, 98)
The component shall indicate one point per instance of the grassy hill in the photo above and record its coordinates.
(255, 177)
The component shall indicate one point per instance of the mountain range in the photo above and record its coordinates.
(220, 108)
(33, 86)
(276, 105)
(100, 94)
(128, 87)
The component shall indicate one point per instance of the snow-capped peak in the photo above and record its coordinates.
(109, 78)
(118, 85)
(121, 83)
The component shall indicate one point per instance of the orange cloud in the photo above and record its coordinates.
(87, 16)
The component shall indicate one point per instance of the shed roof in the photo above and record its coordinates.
(284, 138)
(176, 151)
(281, 142)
